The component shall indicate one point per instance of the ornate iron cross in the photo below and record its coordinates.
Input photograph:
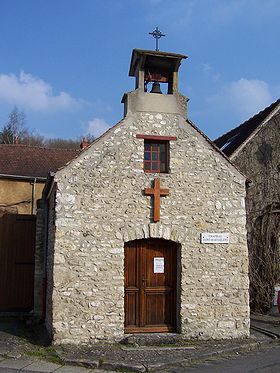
(157, 34)
(156, 192)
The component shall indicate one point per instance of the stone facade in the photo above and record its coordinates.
(100, 206)
(97, 204)
(259, 159)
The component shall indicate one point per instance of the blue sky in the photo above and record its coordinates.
(65, 62)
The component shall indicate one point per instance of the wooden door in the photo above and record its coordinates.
(17, 247)
(150, 286)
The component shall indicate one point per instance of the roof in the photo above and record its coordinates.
(232, 140)
(140, 57)
(32, 161)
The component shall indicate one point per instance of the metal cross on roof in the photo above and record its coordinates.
(157, 34)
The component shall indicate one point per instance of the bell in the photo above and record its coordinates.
(156, 88)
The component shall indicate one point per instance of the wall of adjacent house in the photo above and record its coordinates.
(259, 159)
(100, 205)
(16, 196)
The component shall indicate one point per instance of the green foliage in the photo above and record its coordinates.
(46, 353)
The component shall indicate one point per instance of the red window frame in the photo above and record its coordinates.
(156, 156)
(162, 159)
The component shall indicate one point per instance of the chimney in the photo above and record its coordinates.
(84, 144)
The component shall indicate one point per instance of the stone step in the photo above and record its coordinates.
(153, 339)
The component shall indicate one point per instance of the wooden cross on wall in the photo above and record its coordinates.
(156, 192)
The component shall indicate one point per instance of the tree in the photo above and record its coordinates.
(33, 139)
(59, 143)
(264, 253)
(14, 130)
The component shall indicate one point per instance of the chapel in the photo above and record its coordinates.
(146, 227)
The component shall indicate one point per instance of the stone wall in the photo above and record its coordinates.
(260, 162)
(100, 205)
(259, 159)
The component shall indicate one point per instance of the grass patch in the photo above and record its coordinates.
(46, 353)
(101, 361)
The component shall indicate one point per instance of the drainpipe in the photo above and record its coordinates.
(33, 207)
(44, 279)
(46, 236)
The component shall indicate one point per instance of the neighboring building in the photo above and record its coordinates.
(23, 173)
(146, 228)
(254, 147)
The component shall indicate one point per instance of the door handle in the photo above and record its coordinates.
(143, 281)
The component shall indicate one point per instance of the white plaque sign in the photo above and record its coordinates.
(158, 265)
(215, 237)
(277, 288)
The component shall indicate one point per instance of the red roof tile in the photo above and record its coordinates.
(32, 161)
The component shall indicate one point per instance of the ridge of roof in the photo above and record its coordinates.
(39, 147)
(233, 139)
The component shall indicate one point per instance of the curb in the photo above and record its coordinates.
(92, 364)
(261, 327)
(139, 367)
(142, 366)
(204, 356)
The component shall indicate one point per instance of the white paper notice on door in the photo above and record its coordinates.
(158, 265)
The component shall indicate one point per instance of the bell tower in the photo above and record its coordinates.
(155, 67)
(156, 82)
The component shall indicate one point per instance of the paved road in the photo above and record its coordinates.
(263, 361)
(7, 370)
(18, 365)
(69, 370)
(65, 369)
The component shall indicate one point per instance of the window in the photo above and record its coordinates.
(156, 156)
(156, 152)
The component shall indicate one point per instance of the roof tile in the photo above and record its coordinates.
(32, 161)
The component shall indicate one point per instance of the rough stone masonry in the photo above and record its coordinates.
(96, 205)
